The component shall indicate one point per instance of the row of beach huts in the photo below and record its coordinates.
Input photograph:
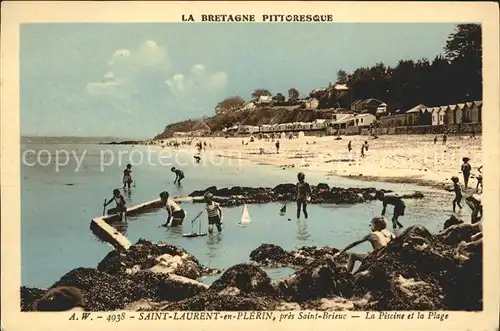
(420, 115)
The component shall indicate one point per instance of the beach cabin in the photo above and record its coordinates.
(442, 115)
(476, 111)
(435, 116)
(319, 124)
(460, 111)
(414, 115)
(452, 114)
(363, 120)
(340, 121)
(467, 113)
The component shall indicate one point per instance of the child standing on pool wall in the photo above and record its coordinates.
(121, 205)
(303, 193)
(214, 212)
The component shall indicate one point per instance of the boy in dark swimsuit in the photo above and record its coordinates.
(458, 193)
(349, 146)
(277, 146)
(127, 177)
(214, 213)
(179, 175)
(121, 205)
(176, 214)
(399, 207)
(303, 192)
(466, 168)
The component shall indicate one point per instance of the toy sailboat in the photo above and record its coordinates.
(245, 216)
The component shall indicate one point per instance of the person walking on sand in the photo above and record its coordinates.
(179, 175)
(303, 194)
(366, 145)
(379, 237)
(397, 202)
(458, 193)
(466, 169)
(127, 176)
(176, 214)
(435, 140)
(277, 146)
(444, 139)
(349, 147)
(363, 150)
(214, 212)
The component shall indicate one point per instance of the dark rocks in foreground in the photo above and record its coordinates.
(416, 271)
(321, 193)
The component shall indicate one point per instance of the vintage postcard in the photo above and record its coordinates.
(251, 165)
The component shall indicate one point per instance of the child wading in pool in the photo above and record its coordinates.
(458, 193)
(214, 212)
(176, 214)
(399, 207)
(379, 237)
(179, 175)
(303, 193)
(127, 176)
(121, 205)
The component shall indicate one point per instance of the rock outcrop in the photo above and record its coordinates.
(321, 193)
(415, 271)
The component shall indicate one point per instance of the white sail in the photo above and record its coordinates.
(245, 216)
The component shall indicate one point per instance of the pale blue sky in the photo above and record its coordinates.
(130, 80)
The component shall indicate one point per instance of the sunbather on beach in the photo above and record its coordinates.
(127, 177)
(399, 207)
(379, 237)
(214, 212)
(303, 194)
(121, 205)
(176, 214)
(458, 193)
(179, 175)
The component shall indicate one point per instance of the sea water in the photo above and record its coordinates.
(57, 206)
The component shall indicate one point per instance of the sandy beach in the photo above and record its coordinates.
(393, 158)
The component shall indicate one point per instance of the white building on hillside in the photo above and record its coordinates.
(364, 119)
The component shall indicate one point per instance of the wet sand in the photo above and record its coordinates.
(412, 159)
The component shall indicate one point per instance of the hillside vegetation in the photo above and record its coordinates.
(257, 116)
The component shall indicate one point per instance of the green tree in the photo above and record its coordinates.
(341, 77)
(293, 94)
(229, 104)
(260, 92)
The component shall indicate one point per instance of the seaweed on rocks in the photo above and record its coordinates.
(29, 295)
(321, 279)
(322, 193)
(453, 220)
(106, 292)
(457, 233)
(246, 278)
(410, 273)
(273, 256)
(270, 255)
(161, 257)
